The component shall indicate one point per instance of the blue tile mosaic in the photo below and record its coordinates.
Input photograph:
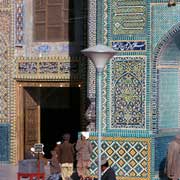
(128, 93)
(162, 20)
(129, 157)
(4, 142)
(161, 146)
(168, 101)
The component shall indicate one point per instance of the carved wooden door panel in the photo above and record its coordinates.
(31, 118)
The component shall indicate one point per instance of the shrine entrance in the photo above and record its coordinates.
(45, 113)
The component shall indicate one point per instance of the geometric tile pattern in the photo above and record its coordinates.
(105, 20)
(128, 17)
(19, 23)
(5, 32)
(104, 38)
(105, 113)
(91, 81)
(129, 157)
(128, 92)
(91, 78)
(6, 111)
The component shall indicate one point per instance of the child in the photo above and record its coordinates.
(54, 167)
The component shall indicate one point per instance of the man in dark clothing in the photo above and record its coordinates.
(107, 172)
(31, 154)
(66, 156)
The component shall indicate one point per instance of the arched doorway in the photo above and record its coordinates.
(60, 113)
(165, 94)
(46, 112)
(165, 80)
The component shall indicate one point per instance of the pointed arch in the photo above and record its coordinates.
(157, 52)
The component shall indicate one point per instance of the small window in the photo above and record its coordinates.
(51, 20)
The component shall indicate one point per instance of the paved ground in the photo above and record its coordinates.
(9, 172)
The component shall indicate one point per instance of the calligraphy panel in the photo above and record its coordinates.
(27, 67)
(129, 45)
(128, 17)
(48, 67)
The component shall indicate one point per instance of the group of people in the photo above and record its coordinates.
(64, 154)
(63, 157)
(62, 161)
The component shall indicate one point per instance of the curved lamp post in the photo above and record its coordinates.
(99, 55)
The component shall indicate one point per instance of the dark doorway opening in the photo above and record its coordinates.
(60, 113)
(56, 109)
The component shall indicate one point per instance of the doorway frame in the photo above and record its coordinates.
(20, 85)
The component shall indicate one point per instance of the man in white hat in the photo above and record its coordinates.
(84, 150)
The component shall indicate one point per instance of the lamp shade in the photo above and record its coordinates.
(99, 54)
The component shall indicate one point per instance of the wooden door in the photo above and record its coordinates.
(31, 118)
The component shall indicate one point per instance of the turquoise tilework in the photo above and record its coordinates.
(171, 52)
(4, 142)
(161, 146)
(165, 53)
(128, 17)
(163, 18)
(168, 101)
(128, 156)
(100, 21)
(122, 17)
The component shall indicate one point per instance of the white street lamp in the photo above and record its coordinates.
(99, 55)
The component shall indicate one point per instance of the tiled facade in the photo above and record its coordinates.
(128, 156)
(138, 83)
(24, 60)
(140, 32)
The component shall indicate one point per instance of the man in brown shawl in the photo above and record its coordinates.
(172, 168)
(66, 155)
